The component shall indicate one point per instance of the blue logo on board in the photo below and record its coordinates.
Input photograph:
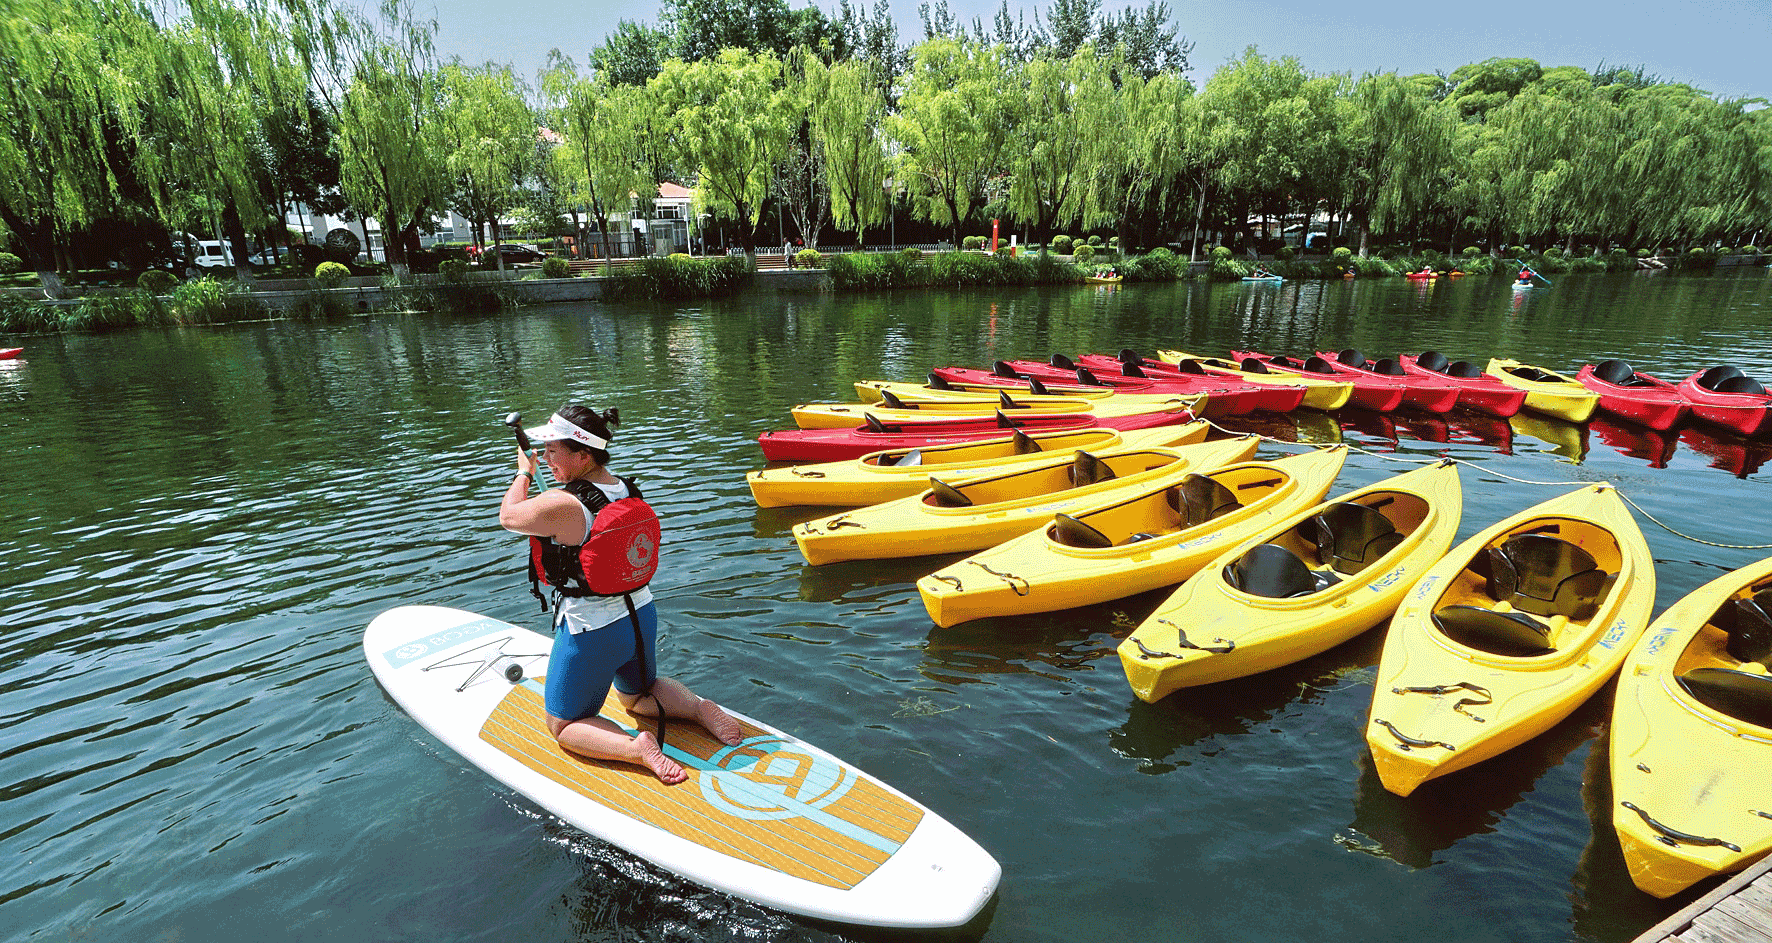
(781, 783)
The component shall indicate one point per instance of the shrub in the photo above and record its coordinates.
(1083, 254)
(1114, 241)
(1095, 241)
(1160, 265)
(331, 274)
(114, 310)
(1061, 245)
(1642, 253)
(22, 316)
(1471, 252)
(1750, 250)
(1519, 252)
(155, 282)
(972, 243)
(1553, 253)
(1284, 253)
(208, 301)
(1220, 254)
(810, 258)
(553, 267)
(1342, 254)
(680, 276)
(452, 270)
(910, 256)
(10, 263)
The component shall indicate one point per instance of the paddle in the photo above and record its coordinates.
(515, 421)
(1529, 271)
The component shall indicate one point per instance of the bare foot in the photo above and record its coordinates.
(668, 771)
(719, 723)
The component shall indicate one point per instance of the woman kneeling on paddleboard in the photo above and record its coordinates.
(605, 629)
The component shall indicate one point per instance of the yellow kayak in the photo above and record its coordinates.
(1307, 583)
(1507, 635)
(973, 513)
(1691, 746)
(1547, 391)
(1319, 393)
(1156, 536)
(884, 476)
(850, 415)
(876, 391)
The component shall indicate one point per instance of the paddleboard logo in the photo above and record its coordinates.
(409, 652)
(781, 783)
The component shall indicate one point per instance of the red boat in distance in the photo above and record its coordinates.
(1369, 392)
(1634, 397)
(1476, 390)
(1435, 395)
(829, 445)
(10, 353)
(1258, 397)
(1221, 398)
(1726, 397)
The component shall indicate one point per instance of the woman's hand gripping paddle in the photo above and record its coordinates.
(515, 421)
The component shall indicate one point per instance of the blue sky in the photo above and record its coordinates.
(1720, 46)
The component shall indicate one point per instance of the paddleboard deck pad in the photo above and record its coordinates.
(774, 820)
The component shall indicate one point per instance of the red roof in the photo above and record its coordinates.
(671, 191)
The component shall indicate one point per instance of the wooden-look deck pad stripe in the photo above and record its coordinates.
(766, 801)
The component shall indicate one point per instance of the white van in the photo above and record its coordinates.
(211, 254)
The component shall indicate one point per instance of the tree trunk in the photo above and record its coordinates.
(1199, 217)
(235, 232)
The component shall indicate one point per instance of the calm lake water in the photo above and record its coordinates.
(197, 525)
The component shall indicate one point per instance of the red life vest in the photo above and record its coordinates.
(619, 556)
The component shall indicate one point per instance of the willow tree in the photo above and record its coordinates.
(603, 126)
(846, 108)
(1067, 122)
(488, 136)
(734, 124)
(1145, 153)
(1398, 142)
(69, 80)
(951, 128)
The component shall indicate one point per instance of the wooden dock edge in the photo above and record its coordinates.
(1684, 919)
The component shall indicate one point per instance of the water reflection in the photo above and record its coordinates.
(1565, 438)
(1634, 441)
(1733, 454)
(1604, 903)
(1050, 645)
(1482, 429)
(1306, 426)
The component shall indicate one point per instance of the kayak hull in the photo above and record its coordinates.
(1320, 392)
(828, 445)
(1746, 413)
(1251, 397)
(1657, 403)
(1365, 393)
(1419, 392)
(1560, 396)
(1483, 394)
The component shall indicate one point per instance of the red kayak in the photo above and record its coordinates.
(1221, 400)
(1434, 395)
(10, 353)
(1369, 393)
(1476, 390)
(829, 445)
(1255, 397)
(1633, 396)
(1728, 398)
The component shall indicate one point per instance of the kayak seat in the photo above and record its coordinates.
(1514, 634)
(1318, 365)
(938, 382)
(1432, 360)
(1743, 695)
(1532, 373)
(1139, 537)
(1005, 402)
(1036, 387)
(1546, 575)
(1086, 469)
(1350, 536)
(1062, 362)
(1464, 369)
(906, 460)
(1188, 366)
(1748, 627)
(1133, 370)
(1281, 360)
(891, 400)
(1024, 443)
(1130, 356)
(1747, 385)
(1389, 368)
(1087, 377)
(1617, 373)
(946, 495)
(1351, 357)
(1198, 499)
(1710, 378)
(1253, 365)
(873, 423)
(1004, 422)
(1074, 533)
(1272, 571)
(1004, 370)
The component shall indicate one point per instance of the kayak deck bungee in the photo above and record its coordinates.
(973, 513)
(1320, 392)
(828, 445)
(1476, 390)
(1154, 537)
(1691, 737)
(1507, 635)
(892, 474)
(1634, 397)
(1252, 397)
(1431, 394)
(1368, 393)
(1724, 396)
(1547, 391)
(1310, 581)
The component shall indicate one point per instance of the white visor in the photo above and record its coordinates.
(558, 429)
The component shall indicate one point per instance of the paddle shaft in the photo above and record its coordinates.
(1529, 271)
(515, 421)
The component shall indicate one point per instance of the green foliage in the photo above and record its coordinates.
(808, 258)
(209, 301)
(1553, 253)
(453, 271)
(10, 263)
(1519, 252)
(972, 243)
(1643, 253)
(911, 256)
(1750, 250)
(116, 310)
(859, 271)
(555, 267)
(1342, 254)
(1061, 245)
(331, 274)
(1478, 264)
(1471, 252)
(1285, 253)
(23, 316)
(681, 277)
(1083, 254)
(1221, 254)
(1161, 265)
(1095, 241)
(155, 282)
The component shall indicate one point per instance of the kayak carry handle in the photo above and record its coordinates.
(1406, 742)
(1674, 837)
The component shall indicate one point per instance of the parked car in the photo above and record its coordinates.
(513, 254)
(212, 254)
(267, 257)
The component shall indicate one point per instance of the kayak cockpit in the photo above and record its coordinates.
(1531, 592)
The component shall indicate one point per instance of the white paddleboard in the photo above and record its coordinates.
(773, 820)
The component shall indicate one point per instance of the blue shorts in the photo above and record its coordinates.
(582, 665)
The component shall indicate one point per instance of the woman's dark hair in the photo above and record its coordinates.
(601, 425)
